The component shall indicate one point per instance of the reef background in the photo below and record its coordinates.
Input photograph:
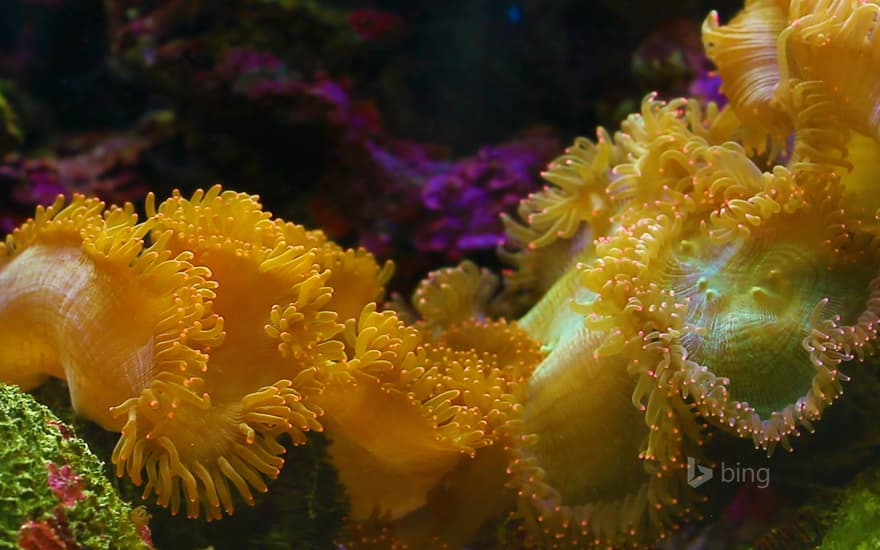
(320, 107)
(404, 126)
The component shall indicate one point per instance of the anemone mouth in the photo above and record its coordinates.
(772, 313)
(753, 304)
(193, 455)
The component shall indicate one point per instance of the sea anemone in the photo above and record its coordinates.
(713, 287)
(201, 384)
(819, 35)
(220, 424)
(700, 270)
(454, 295)
(227, 332)
(84, 300)
(384, 392)
(407, 405)
(423, 431)
(744, 51)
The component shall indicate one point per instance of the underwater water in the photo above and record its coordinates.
(303, 274)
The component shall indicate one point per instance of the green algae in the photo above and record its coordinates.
(32, 438)
(856, 526)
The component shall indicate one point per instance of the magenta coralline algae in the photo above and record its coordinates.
(255, 73)
(104, 165)
(463, 203)
(65, 484)
(706, 87)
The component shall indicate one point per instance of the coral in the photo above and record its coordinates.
(106, 168)
(53, 492)
(112, 166)
(65, 483)
(372, 25)
(462, 203)
(51, 534)
(670, 57)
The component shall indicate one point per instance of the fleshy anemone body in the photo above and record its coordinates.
(231, 329)
(713, 285)
(200, 400)
(78, 270)
(221, 424)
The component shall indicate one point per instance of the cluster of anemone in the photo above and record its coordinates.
(208, 331)
(700, 267)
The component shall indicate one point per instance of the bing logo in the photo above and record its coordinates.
(699, 475)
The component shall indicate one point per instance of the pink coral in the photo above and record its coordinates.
(65, 430)
(53, 533)
(66, 485)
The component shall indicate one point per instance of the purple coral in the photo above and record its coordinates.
(255, 73)
(706, 87)
(463, 204)
(106, 166)
(65, 430)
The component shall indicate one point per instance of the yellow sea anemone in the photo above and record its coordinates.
(744, 51)
(84, 301)
(580, 460)
(357, 272)
(681, 278)
(200, 382)
(255, 383)
(717, 288)
(405, 408)
(383, 395)
(768, 309)
(227, 332)
(416, 434)
(455, 294)
(821, 33)
(559, 222)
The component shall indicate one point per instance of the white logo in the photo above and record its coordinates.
(698, 475)
(705, 473)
